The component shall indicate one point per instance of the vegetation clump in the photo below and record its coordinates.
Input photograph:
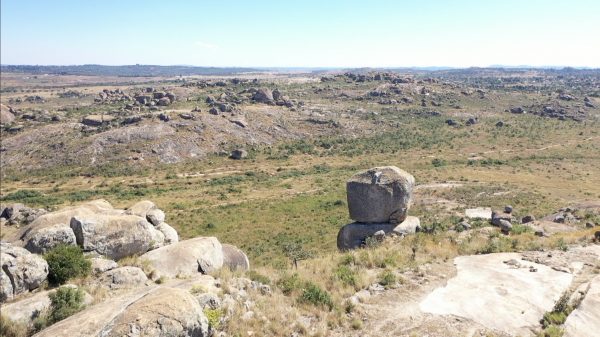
(66, 262)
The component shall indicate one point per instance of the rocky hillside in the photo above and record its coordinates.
(163, 121)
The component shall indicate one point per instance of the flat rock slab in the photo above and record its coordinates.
(551, 227)
(585, 320)
(479, 213)
(503, 296)
(91, 321)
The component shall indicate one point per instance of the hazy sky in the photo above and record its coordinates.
(321, 33)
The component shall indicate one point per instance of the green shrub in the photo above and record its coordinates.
(288, 284)
(347, 260)
(520, 229)
(64, 302)
(554, 318)
(438, 162)
(214, 317)
(316, 296)
(387, 278)
(552, 331)
(357, 324)
(66, 262)
(346, 275)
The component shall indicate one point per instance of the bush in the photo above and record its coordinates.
(520, 229)
(387, 278)
(438, 162)
(287, 284)
(214, 317)
(346, 275)
(66, 262)
(64, 302)
(316, 296)
(554, 318)
(552, 331)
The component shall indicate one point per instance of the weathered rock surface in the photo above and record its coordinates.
(379, 195)
(148, 311)
(263, 95)
(42, 239)
(114, 236)
(141, 208)
(585, 320)
(155, 216)
(28, 308)
(164, 312)
(502, 284)
(169, 233)
(123, 277)
(234, 258)
(100, 265)
(6, 115)
(353, 235)
(21, 271)
(97, 120)
(410, 225)
(188, 257)
(479, 213)
(498, 217)
(63, 216)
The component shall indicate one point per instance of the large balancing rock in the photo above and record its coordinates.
(379, 195)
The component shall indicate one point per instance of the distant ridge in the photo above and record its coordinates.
(187, 70)
(125, 70)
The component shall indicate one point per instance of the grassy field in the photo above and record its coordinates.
(295, 192)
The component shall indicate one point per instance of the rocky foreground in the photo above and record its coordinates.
(145, 281)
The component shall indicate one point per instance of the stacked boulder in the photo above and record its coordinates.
(378, 200)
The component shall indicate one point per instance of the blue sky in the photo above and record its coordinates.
(282, 33)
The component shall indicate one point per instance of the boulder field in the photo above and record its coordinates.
(107, 234)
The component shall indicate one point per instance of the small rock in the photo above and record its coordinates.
(527, 219)
(209, 300)
(155, 216)
(505, 226)
(239, 154)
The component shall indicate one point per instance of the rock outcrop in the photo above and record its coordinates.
(42, 239)
(21, 271)
(115, 236)
(164, 312)
(234, 258)
(148, 311)
(585, 320)
(380, 194)
(379, 200)
(27, 309)
(188, 257)
(123, 277)
(519, 291)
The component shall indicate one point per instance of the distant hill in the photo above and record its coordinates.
(127, 70)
